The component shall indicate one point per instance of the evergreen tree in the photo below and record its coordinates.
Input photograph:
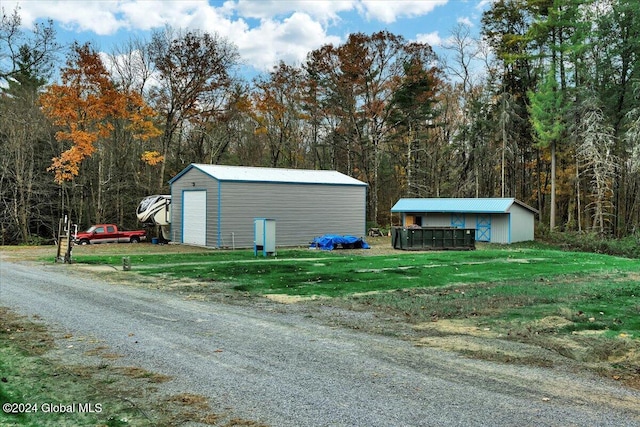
(546, 110)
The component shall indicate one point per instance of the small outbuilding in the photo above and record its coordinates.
(496, 220)
(216, 206)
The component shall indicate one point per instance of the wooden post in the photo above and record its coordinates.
(59, 248)
(65, 241)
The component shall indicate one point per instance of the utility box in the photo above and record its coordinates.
(264, 236)
(433, 238)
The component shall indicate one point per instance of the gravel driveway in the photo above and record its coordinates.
(284, 369)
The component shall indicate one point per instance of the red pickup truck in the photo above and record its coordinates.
(109, 233)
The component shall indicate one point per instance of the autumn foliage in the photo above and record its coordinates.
(86, 107)
(152, 157)
(483, 117)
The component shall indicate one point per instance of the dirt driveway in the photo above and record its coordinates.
(299, 365)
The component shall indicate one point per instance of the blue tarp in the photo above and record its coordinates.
(329, 242)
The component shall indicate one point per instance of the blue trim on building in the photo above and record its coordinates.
(219, 228)
(185, 170)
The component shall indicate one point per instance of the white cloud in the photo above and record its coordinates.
(323, 11)
(391, 11)
(99, 17)
(432, 39)
(147, 15)
(465, 21)
(214, 20)
(289, 41)
(484, 3)
(107, 17)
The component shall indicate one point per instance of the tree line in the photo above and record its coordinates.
(543, 106)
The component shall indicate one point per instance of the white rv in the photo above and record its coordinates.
(156, 210)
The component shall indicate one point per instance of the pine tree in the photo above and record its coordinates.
(546, 111)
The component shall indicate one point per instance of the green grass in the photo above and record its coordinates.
(334, 274)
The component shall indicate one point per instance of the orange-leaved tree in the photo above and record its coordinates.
(86, 106)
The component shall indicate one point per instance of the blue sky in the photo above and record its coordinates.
(265, 31)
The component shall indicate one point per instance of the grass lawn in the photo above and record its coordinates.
(343, 273)
(600, 292)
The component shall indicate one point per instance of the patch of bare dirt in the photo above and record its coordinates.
(289, 299)
(464, 337)
(455, 327)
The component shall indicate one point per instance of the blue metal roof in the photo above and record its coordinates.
(459, 205)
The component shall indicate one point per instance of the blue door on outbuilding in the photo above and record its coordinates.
(483, 228)
(457, 220)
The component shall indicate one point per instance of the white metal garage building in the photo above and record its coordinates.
(215, 206)
(496, 220)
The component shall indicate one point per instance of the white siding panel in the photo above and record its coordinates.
(436, 219)
(522, 224)
(500, 228)
(194, 217)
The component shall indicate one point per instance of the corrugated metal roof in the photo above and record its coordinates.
(257, 174)
(459, 205)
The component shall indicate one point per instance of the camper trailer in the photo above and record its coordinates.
(156, 211)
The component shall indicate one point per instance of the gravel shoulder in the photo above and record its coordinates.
(304, 364)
